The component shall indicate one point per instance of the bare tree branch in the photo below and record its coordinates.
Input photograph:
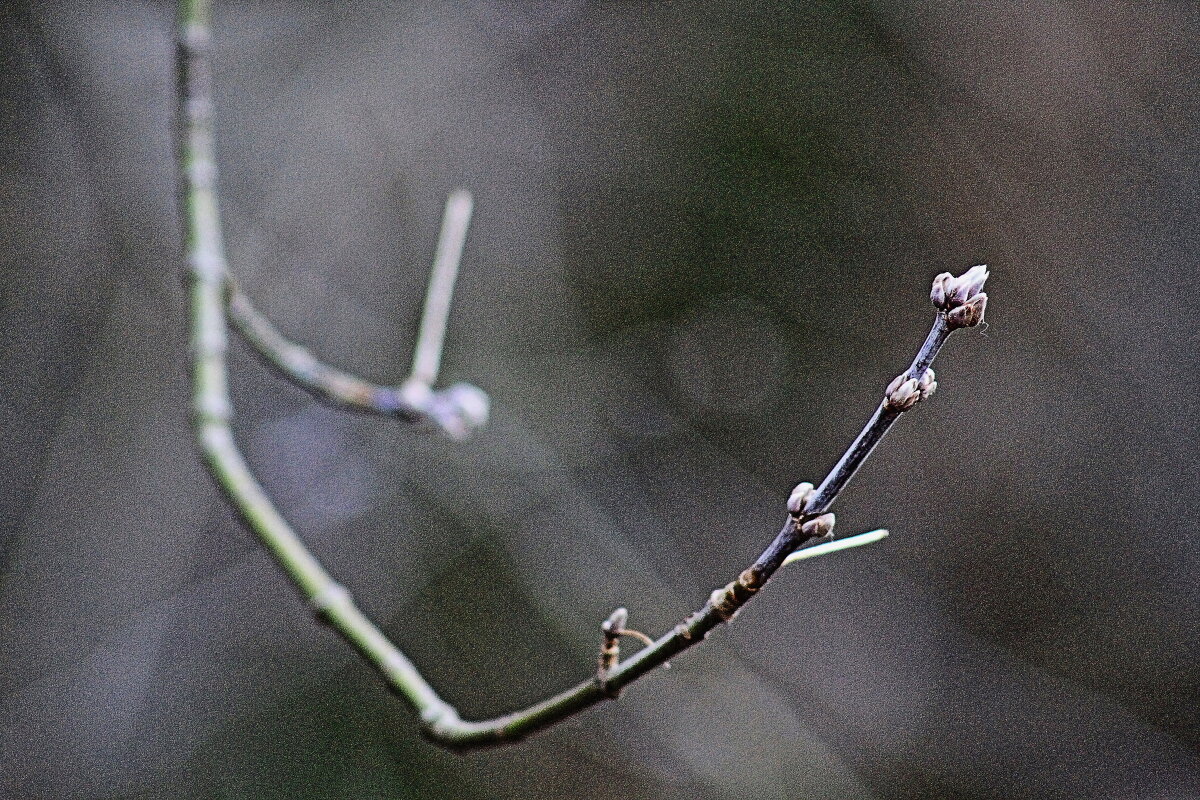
(960, 303)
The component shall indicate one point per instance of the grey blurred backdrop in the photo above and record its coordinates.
(703, 240)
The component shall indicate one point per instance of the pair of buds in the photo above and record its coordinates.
(904, 392)
(962, 298)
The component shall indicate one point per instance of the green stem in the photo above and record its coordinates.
(212, 409)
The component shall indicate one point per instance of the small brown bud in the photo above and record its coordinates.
(799, 497)
(819, 527)
(969, 314)
(927, 385)
(904, 396)
(938, 295)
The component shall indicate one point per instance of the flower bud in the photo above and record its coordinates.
(819, 527)
(904, 396)
(967, 285)
(973, 280)
(459, 409)
(615, 623)
(471, 403)
(799, 497)
(938, 295)
(969, 314)
(927, 385)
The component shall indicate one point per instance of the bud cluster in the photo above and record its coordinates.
(820, 527)
(904, 391)
(962, 298)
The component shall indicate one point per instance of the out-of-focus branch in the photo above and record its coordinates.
(457, 410)
(212, 410)
(427, 354)
(960, 303)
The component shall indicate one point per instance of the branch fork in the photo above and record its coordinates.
(456, 411)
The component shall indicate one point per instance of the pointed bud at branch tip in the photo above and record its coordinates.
(458, 410)
(938, 294)
(799, 498)
(949, 292)
(973, 280)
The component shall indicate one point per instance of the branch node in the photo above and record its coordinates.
(905, 390)
(728, 600)
(902, 393)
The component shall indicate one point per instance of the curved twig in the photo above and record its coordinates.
(457, 410)
(960, 303)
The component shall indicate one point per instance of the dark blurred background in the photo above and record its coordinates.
(703, 241)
